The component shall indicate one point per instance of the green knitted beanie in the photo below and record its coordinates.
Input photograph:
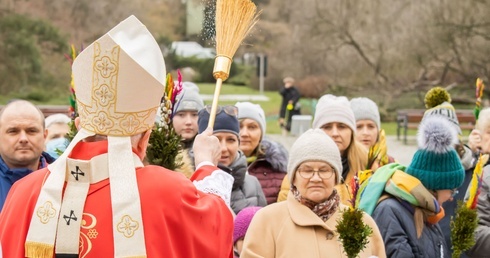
(436, 164)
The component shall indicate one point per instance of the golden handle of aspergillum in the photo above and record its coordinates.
(222, 65)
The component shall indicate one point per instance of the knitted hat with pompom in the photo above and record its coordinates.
(438, 103)
(436, 164)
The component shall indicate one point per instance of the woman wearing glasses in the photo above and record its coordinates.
(305, 224)
(246, 189)
(335, 117)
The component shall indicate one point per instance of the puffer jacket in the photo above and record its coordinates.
(270, 168)
(246, 189)
(397, 226)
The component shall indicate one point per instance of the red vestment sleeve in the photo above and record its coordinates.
(178, 220)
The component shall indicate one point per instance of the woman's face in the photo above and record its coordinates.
(185, 124)
(250, 134)
(340, 133)
(229, 147)
(315, 180)
(367, 132)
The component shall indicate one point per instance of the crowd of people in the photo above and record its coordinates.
(237, 193)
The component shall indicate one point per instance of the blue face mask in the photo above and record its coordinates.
(56, 146)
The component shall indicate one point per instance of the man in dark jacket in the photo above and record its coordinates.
(289, 105)
(22, 136)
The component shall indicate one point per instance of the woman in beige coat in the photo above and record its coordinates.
(335, 117)
(305, 224)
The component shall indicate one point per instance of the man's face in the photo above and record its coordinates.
(185, 124)
(57, 130)
(21, 136)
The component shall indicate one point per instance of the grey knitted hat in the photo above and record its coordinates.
(314, 145)
(365, 109)
(188, 99)
(331, 109)
(252, 111)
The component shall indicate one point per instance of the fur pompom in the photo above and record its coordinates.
(436, 96)
(436, 134)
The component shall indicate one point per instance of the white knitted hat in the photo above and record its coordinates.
(252, 111)
(365, 109)
(314, 145)
(56, 119)
(189, 99)
(331, 109)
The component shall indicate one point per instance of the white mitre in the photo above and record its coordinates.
(119, 82)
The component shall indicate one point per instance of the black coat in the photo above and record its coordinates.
(288, 94)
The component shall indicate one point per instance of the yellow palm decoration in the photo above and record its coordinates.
(475, 183)
(465, 220)
(479, 94)
(378, 153)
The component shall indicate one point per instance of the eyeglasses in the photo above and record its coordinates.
(230, 110)
(308, 173)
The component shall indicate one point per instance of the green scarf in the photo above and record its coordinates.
(393, 180)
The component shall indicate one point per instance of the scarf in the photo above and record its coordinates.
(251, 159)
(392, 179)
(325, 209)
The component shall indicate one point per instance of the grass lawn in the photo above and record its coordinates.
(271, 107)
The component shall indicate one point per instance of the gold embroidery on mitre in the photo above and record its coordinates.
(46, 212)
(127, 226)
(100, 116)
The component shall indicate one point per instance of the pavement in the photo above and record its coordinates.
(402, 153)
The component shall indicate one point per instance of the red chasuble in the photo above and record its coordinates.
(179, 221)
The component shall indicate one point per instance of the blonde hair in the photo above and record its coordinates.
(357, 156)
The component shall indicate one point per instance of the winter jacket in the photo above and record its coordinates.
(482, 233)
(290, 229)
(270, 168)
(450, 208)
(246, 189)
(288, 94)
(396, 222)
(9, 176)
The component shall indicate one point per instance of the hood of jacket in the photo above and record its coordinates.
(275, 154)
